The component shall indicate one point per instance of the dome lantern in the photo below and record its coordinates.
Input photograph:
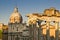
(16, 9)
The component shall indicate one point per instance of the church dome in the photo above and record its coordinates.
(15, 16)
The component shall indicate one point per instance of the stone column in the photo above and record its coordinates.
(47, 30)
(56, 30)
(30, 32)
(40, 34)
(33, 31)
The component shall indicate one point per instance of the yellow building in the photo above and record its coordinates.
(1, 25)
(50, 16)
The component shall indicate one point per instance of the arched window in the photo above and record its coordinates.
(43, 22)
(52, 23)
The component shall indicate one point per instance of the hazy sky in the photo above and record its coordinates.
(25, 7)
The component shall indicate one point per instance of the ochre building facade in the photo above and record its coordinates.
(50, 20)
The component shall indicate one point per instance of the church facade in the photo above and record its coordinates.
(16, 29)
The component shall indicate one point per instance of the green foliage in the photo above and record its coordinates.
(0, 31)
(0, 34)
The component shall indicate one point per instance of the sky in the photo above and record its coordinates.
(25, 7)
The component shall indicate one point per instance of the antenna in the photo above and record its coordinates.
(15, 1)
